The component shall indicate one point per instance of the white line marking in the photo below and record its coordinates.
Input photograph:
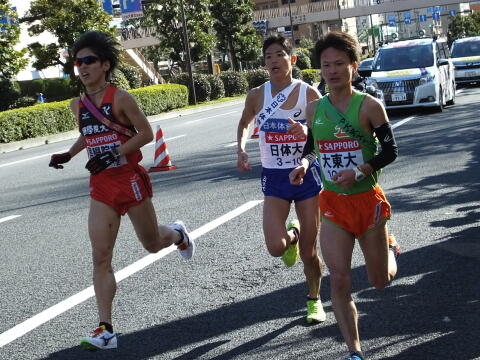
(65, 150)
(401, 122)
(50, 313)
(210, 117)
(11, 217)
(167, 139)
(32, 158)
(235, 143)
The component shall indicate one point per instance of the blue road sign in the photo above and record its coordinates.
(436, 15)
(422, 18)
(131, 9)
(452, 12)
(392, 20)
(407, 18)
(107, 6)
(408, 21)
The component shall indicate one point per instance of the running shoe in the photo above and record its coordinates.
(393, 245)
(187, 247)
(100, 339)
(291, 254)
(355, 356)
(315, 313)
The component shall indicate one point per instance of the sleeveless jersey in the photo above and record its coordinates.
(99, 138)
(337, 151)
(279, 150)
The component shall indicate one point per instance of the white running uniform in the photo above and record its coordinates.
(279, 150)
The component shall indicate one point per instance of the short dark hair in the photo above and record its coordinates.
(102, 44)
(340, 41)
(280, 40)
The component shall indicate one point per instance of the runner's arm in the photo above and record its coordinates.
(248, 115)
(127, 106)
(383, 131)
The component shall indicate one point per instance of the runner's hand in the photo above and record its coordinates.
(345, 179)
(297, 129)
(242, 162)
(58, 159)
(296, 175)
(101, 161)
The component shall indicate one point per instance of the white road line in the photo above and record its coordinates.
(210, 117)
(52, 312)
(167, 139)
(401, 122)
(31, 158)
(11, 217)
(235, 143)
(65, 150)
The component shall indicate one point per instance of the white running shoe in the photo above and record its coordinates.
(187, 247)
(100, 339)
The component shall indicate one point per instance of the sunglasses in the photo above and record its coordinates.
(87, 60)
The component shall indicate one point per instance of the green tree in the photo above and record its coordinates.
(11, 60)
(164, 17)
(235, 32)
(463, 26)
(66, 20)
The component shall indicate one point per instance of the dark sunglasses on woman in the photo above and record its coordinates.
(87, 60)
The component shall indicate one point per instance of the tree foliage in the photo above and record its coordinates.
(235, 32)
(463, 26)
(11, 60)
(66, 20)
(164, 16)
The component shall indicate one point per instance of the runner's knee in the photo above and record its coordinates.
(340, 284)
(102, 258)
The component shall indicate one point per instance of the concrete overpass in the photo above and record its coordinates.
(329, 10)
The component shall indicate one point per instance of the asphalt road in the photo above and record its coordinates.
(233, 301)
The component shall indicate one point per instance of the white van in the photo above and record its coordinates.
(466, 59)
(415, 73)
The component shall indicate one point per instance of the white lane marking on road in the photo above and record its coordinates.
(11, 217)
(50, 313)
(167, 139)
(32, 158)
(401, 122)
(235, 143)
(210, 117)
(65, 150)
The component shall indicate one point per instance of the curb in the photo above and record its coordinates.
(49, 139)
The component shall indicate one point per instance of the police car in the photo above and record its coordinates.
(415, 73)
(466, 59)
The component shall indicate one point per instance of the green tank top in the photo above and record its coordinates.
(337, 151)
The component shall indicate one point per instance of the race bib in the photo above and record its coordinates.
(339, 154)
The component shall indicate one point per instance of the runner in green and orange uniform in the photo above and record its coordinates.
(344, 127)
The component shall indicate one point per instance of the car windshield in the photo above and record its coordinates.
(467, 48)
(404, 57)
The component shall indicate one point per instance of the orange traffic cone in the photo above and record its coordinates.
(162, 161)
(255, 133)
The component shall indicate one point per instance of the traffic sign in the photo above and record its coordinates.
(131, 9)
(452, 12)
(107, 6)
(422, 18)
(436, 15)
(392, 20)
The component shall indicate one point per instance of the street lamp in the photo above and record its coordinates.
(291, 23)
(187, 51)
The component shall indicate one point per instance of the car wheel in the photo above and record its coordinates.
(439, 108)
(452, 101)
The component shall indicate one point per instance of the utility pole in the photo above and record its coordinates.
(187, 52)
(291, 23)
(373, 33)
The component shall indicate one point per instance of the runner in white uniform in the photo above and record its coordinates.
(282, 138)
